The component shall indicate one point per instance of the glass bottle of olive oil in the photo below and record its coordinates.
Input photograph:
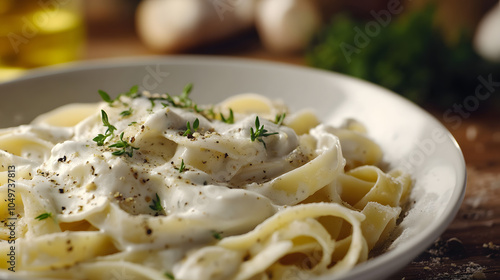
(36, 33)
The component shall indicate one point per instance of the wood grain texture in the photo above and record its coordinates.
(477, 223)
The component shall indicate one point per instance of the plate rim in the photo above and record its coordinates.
(427, 237)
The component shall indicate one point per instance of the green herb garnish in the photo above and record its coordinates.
(413, 56)
(279, 119)
(181, 101)
(187, 90)
(189, 130)
(169, 275)
(152, 100)
(101, 138)
(133, 92)
(127, 112)
(156, 206)
(126, 148)
(44, 216)
(259, 132)
(184, 98)
(216, 235)
(183, 167)
(105, 97)
(210, 113)
(230, 119)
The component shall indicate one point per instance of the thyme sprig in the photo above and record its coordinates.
(209, 113)
(279, 119)
(127, 112)
(217, 235)
(183, 167)
(230, 119)
(170, 275)
(105, 97)
(126, 148)
(189, 131)
(101, 138)
(44, 216)
(156, 206)
(181, 101)
(259, 132)
(133, 92)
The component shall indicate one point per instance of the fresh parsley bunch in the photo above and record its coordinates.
(409, 56)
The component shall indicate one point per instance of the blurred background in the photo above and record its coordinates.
(432, 52)
(442, 54)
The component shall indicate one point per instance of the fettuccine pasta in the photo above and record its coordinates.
(151, 186)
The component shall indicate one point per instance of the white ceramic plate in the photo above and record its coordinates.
(409, 136)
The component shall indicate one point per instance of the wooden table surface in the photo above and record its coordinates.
(470, 247)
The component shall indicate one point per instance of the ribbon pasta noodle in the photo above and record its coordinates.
(151, 186)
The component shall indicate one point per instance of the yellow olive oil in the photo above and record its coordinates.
(36, 33)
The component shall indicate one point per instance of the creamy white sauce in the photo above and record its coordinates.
(208, 202)
(81, 178)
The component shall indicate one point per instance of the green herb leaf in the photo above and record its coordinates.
(182, 101)
(196, 124)
(126, 148)
(189, 130)
(105, 97)
(181, 169)
(101, 138)
(104, 118)
(429, 69)
(44, 216)
(187, 89)
(169, 275)
(196, 109)
(133, 92)
(230, 119)
(210, 113)
(105, 121)
(216, 235)
(156, 206)
(279, 119)
(259, 132)
(127, 112)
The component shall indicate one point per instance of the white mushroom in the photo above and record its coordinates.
(487, 38)
(287, 25)
(176, 25)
